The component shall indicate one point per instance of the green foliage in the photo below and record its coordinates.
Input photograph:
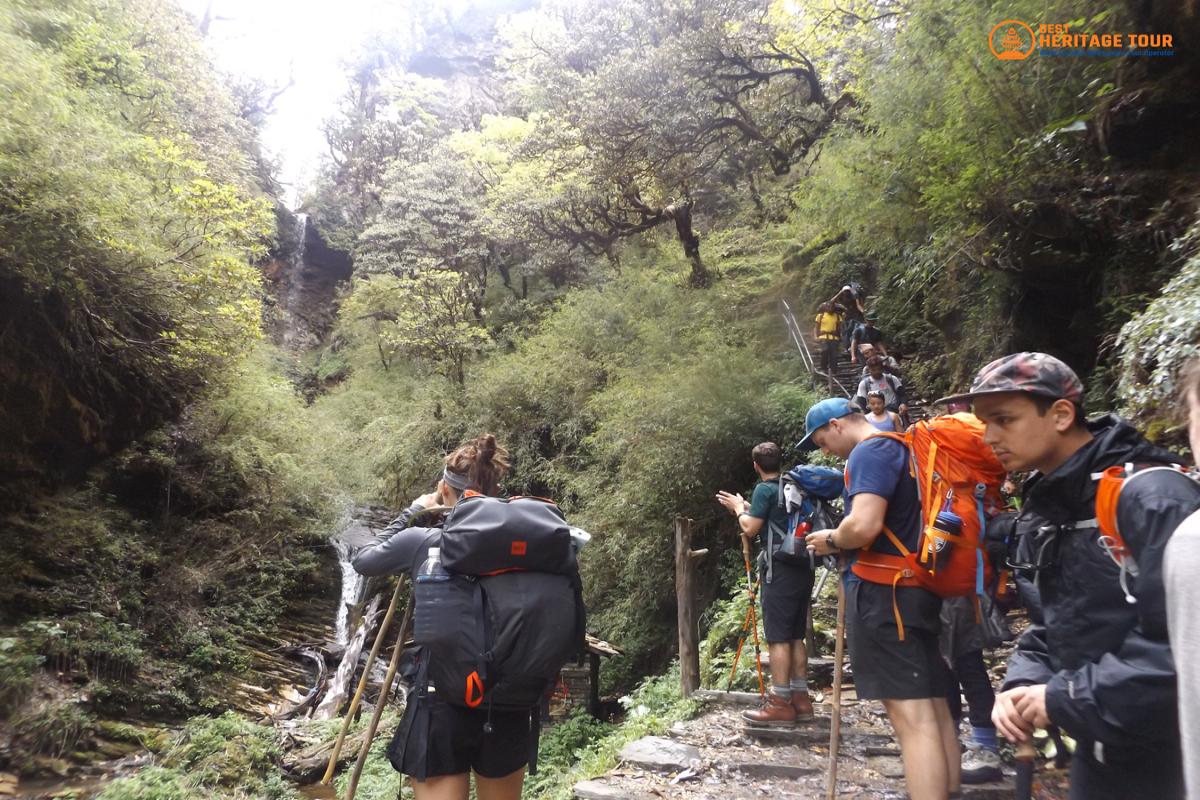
(225, 757)
(53, 729)
(429, 317)
(17, 666)
(1159, 341)
(726, 620)
(651, 709)
(561, 747)
(129, 220)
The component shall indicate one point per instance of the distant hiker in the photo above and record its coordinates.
(851, 298)
(785, 597)
(879, 416)
(465, 715)
(1183, 601)
(877, 380)
(1099, 666)
(890, 365)
(903, 670)
(962, 642)
(867, 333)
(827, 331)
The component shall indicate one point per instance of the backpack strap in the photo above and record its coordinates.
(885, 568)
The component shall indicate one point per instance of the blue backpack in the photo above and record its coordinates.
(807, 493)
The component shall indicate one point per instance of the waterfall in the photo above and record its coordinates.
(352, 585)
(295, 283)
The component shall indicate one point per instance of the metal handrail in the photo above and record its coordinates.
(789, 319)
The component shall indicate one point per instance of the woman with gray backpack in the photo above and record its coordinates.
(498, 612)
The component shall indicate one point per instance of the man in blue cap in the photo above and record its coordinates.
(902, 668)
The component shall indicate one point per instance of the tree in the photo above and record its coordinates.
(429, 317)
(129, 219)
(661, 100)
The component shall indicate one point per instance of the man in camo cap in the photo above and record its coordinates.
(1098, 664)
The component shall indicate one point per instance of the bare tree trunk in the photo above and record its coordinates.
(681, 213)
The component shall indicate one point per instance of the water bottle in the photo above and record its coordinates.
(432, 570)
(937, 546)
(433, 596)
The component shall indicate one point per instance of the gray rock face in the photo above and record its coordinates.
(659, 754)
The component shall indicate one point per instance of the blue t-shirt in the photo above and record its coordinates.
(879, 466)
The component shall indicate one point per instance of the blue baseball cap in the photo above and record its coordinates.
(819, 416)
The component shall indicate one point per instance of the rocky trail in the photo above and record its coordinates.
(714, 757)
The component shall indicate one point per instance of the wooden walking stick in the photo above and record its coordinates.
(384, 691)
(835, 722)
(352, 709)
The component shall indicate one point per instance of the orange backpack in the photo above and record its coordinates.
(957, 475)
(1109, 484)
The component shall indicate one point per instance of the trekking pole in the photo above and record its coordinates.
(737, 658)
(384, 691)
(327, 779)
(835, 722)
(762, 691)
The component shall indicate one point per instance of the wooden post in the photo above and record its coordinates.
(594, 688)
(685, 597)
(835, 722)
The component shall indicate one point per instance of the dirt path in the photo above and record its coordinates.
(729, 763)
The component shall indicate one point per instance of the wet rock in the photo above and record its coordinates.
(659, 754)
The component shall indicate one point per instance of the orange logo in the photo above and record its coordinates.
(518, 548)
(1011, 40)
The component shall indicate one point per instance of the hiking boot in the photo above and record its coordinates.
(802, 703)
(980, 765)
(774, 713)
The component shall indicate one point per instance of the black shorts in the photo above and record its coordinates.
(886, 668)
(785, 602)
(436, 738)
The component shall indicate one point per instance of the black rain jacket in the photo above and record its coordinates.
(1106, 663)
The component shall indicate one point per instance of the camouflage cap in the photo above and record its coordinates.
(1035, 373)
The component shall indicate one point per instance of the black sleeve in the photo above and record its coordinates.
(1150, 508)
(1031, 662)
(1129, 696)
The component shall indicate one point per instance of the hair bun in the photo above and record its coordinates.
(486, 448)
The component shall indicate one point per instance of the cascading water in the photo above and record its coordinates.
(349, 536)
(295, 286)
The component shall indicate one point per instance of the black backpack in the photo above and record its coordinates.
(496, 634)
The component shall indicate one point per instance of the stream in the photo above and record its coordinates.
(281, 672)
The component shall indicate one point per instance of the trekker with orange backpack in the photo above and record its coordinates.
(1094, 522)
(895, 662)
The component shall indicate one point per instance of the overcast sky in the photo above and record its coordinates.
(306, 39)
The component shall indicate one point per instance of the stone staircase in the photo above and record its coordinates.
(847, 376)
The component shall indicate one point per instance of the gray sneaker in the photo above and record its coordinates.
(980, 765)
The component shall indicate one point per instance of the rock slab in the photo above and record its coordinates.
(597, 790)
(660, 755)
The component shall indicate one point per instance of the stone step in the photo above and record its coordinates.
(659, 754)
